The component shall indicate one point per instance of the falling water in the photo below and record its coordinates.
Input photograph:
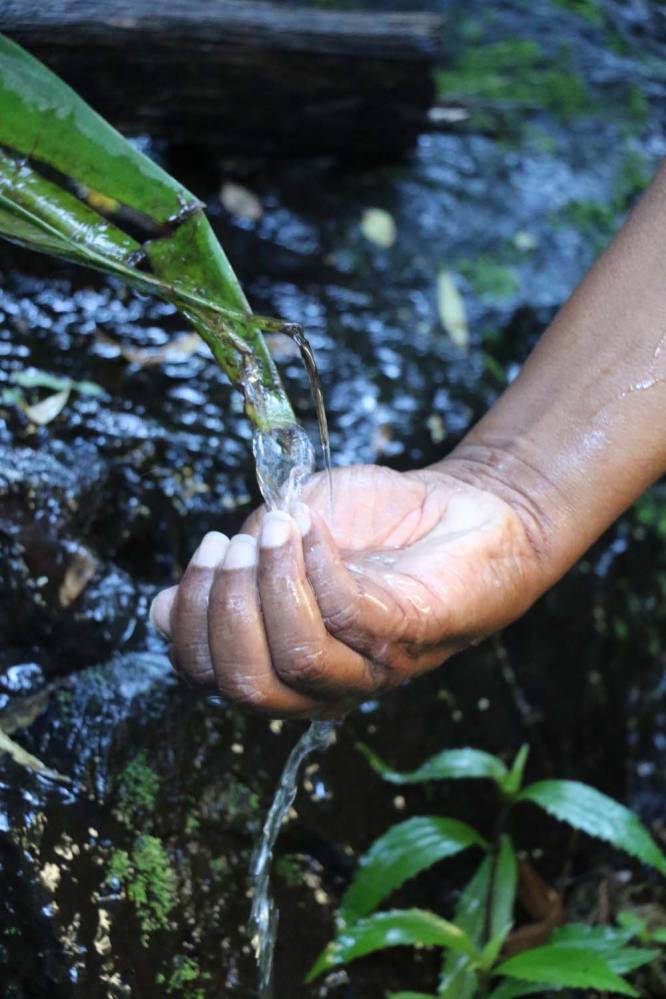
(264, 915)
(284, 461)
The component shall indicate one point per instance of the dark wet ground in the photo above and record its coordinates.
(132, 881)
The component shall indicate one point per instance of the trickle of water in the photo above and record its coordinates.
(284, 460)
(295, 333)
(264, 914)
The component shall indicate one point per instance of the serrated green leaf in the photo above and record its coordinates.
(597, 815)
(458, 979)
(566, 967)
(396, 928)
(607, 941)
(511, 989)
(631, 921)
(455, 764)
(514, 779)
(401, 853)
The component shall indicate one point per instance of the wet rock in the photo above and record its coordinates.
(114, 882)
(56, 591)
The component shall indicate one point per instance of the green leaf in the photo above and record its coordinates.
(396, 928)
(458, 979)
(607, 941)
(400, 854)
(510, 989)
(631, 921)
(514, 779)
(596, 814)
(504, 885)
(659, 936)
(450, 763)
(97, 184)
(566, 967)
(46, 410)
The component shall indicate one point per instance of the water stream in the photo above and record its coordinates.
(264, 914)
(284, 460)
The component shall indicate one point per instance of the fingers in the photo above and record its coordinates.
(303, 653)
(189, 611)
(237, 638)
(359, 611)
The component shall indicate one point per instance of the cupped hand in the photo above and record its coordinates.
(300, 617)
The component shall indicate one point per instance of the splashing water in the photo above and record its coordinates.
(284, 461)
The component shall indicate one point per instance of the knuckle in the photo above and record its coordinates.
(242, 688)
(192, 658)
(342, 618)
(305, 662)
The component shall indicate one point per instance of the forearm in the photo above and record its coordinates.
(582, 431)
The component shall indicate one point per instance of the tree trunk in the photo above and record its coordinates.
(241, 77)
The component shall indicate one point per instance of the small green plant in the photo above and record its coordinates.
(576, 956)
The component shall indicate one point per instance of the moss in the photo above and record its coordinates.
(185, 972)
(589, 10)
(149, 882)
(489, 277)
(290, 869)
(515, 73)
(599, 220)
(192, 824)
(139, 786)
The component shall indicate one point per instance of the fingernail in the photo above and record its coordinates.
(301, 515)
(241, 553)
(160, 610)
(275, 529)
(211, 551)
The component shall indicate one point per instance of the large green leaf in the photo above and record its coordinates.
(450, 763)
(458, 979)
(596, 814)
(73, 187)
(607, 941)
(509, 989)
(400, 854)
(396, 928)
(566, 967)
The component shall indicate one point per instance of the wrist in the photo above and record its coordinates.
(508, 470)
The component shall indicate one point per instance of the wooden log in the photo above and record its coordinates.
(241, 77)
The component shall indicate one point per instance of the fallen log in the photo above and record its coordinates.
(240, 77)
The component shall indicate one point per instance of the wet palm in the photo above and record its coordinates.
(315, 617)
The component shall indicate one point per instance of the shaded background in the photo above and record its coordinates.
(133, 880)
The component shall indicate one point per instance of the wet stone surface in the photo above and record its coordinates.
(131, 878)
